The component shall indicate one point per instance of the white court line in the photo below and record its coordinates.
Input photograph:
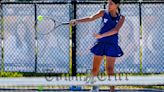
(35, 81)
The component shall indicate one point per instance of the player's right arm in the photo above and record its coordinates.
(99, 14)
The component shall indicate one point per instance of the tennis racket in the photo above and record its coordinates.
(48, 25)
(52, 36)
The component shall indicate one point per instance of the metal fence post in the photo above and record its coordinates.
(2, 31)
(35, 36)
(140, 16)
(74, 70)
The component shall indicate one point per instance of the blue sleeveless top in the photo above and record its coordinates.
(108, 23)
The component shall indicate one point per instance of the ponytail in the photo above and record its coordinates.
(119, 10)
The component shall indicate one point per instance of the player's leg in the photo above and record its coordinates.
(96, 64)
(110, 62)
(95, 70)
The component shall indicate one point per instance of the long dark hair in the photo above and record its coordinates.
(117, 2)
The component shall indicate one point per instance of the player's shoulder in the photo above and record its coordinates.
(121, 16)
(102, 10)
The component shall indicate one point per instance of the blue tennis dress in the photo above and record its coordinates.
(108, 46)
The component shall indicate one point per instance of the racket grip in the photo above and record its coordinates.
(65, 23)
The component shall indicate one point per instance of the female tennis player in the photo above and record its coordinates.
(107, 38)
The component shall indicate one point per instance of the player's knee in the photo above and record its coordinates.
(109, 68)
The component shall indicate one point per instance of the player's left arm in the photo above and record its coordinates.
(114, 30)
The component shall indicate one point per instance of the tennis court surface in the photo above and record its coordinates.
(34, 84)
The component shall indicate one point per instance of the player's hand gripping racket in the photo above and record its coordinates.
(46, 25)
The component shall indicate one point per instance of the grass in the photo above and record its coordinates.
(11, 74)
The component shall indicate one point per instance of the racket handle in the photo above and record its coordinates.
(65, 23)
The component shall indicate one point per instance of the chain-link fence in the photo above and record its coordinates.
(26, 52)
(19, 38)
(141, 38)
(53, 49)
(152, 38)
(129, 40)
(84, 37)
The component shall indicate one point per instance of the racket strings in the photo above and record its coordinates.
(45, 26)
(49, 28)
